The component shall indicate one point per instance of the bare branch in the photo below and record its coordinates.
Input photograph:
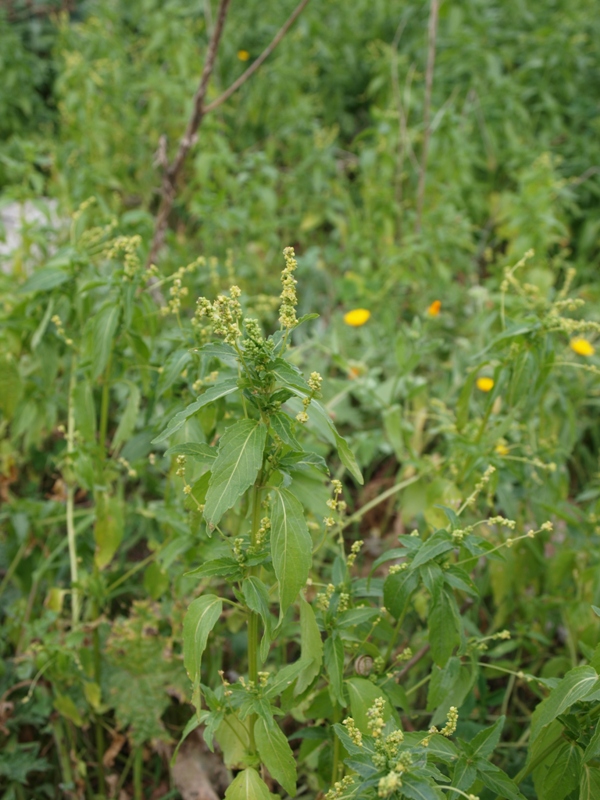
(262, 58)
(432, 35)
(187, 140)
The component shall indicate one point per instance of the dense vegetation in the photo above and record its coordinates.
(419, 410)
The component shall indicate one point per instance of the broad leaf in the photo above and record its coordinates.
(573, 687)
(235, 468)
(334, 665)
(497, 780)
(443, 622)
(256, 595)
(291, 546)
(221, 389)
(108, 530)
(248, 785)
(104, 327)
(362, 694)
(485, 742)
(201, 617)
(589, 783)
(397, 591)
(276, 753)
(311, 646)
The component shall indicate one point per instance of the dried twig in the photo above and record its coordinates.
(200, 110)
(432, 35)
(172, 172)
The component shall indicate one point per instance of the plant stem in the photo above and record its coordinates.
(253, 618)
(104, 407)
(100, 745)
(71, 497)
(432, 34)
(137, 774)
(336, 765)
(63, 753)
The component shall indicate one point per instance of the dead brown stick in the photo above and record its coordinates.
(432, 35)
(262, 57)
(171, 174)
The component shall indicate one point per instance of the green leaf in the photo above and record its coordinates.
(191, 726)
(589, 783)
(236, 467)
(67, 708)
(283, 427)
(232, 738)
(563, 773)
(291, 546)
(397, 591)
(593, 748)
(311, 646)
(11, 387)
(573, 687)
(41, 329)
(362, 694)
(497, 780)
(85, 411)
(256, 595)
(485, 742)
(418, 789)
(45, 279)
(201, 617)
(248, 785)
(334, 664)
(443, 622)
(128, 418)
(104, 327)
(276, 753)
(217, 568)
(221, 389)
(437, 544)
(202, 453)
(108, 530)
(462, 406)
(174, 366)
(284, 678)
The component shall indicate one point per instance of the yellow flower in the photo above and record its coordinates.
(243, 55)
(582, 347)
(435, 308)
(357, 317)
(485, 384)
(501, 449)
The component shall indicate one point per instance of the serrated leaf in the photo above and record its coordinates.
(276, 753)
(248, 785)
(589, 783)
(435, 546)
(397, 591)
(108, 530)
(497, 780)
(202, 453)
(174, 366)
(573, 687)
(128, 418)
(418, 789)
(334, 665)
(311, 646)
(563, 773)
(201, 617)
(443, 622)
(221, 389)
(283, 427)
(291, 546)
(235, 468)
(45, 279)
(284, 678)
(484, 743)
(217, 568)
(256, 596)
(104, 327)
(362, 694)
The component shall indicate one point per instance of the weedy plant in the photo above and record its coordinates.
(250, 494)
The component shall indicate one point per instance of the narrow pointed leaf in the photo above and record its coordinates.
(276, 753)
(221, 389)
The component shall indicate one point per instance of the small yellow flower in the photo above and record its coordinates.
(435, 308)
(357, 317)
(243, 55)
(485, 384)
(582, 347)
(501, 449)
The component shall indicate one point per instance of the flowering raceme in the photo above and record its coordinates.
(357, 317)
